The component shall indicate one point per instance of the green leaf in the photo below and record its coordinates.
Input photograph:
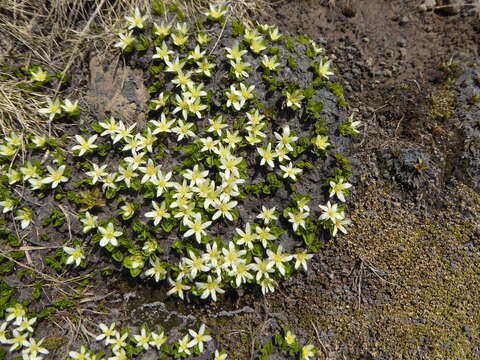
(314, 108)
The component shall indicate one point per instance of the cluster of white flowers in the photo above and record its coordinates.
(119, 339)
(202, 194)
(56, 108)
(17, 332)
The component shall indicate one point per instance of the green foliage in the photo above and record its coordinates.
(304, 39)
(344, 169)
(314, 108)
(143, 44)
(5, 294)
(337, 90)
(265, 350)
(272, 184)
(238, 28)
(289, 44)
(292, 63)
(56, 219)
(159, 7)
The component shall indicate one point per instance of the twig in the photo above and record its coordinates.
(319, 339)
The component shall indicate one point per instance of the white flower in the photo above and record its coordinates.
(119, 354)
(220, 355)
(211, 256)
(268, 285)
(195, 264)
(109, 235)
(290, 172)
(162, 30)
(224, 209)
(157, 340)
(33, 348)
(183, 130)
(84, 145)
(157, 270)
(321, 142)
(216, 12)
(277, 259)
(210, 288)
(323, 68)
(53, 109)
(239, 68)
(89, 222)
(178, 287)
(301, 259)
(307, 352)
(216, 125)
(197, 227)
(234, 98)
(126, 174)
(232, 256)
(76, 255)
(270, 63)
(196, 54)
(70, 107)
(196, 176)
(290, 337)
(110, 126)
(247, 237)
(125, 41)
(3, 333)
(264, 235)
(174, 66)
(354, 125)
(338, 189)
(39, 75)
(162, 126)
(235, 53)
(159, 213)
(241, 273)
(267, 215)
(297, 219)
(122, 132)
(83, 354)
(286, 139)
(25, 216)
(205, 68)
(339, 224)
(293, 100)
(198, 338)
(183, 345)
(261, 268)
(267, 155)
(18, 340)
(8, 205)
(136, 21)
(55, 176)
(108, 332)
(162, 182)
(25, 325)
(118, 341)
(143, 339)
(97, 173)
(16, 312)
(257, 44)
(330, 212)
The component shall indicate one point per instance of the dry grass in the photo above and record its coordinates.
(56, 35)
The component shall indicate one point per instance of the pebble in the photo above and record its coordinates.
(404, 20)
(428, 5)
